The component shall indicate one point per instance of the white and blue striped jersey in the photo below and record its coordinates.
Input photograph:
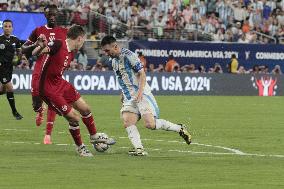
(126, 68)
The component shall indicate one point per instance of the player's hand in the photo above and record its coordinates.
(41, 41)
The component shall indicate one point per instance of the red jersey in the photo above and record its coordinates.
(51, 34)
(54, 90)
(54, 64)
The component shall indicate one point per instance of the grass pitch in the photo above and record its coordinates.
(238, 142)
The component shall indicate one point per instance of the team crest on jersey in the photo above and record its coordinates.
(51, 39)
(4, 79)
(2, 46)
(64, 108)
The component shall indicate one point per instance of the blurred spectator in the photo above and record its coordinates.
(264, 69)
(216, 69)
(81, 58)
(171, 64)
(276, 70)
(160, 68)
(242, 70)
(153, 69)
(201, 69)
(24, 63)
(255, 69)
(143, 60)
(220, 19)
(234, 64)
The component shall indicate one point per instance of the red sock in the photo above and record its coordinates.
(50, 120)
(90, 123)
(75, 132)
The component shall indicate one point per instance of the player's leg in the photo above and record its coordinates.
(38, 108)
(37, 101)
(150, 115)
(74, 129)
(87, 117)
(50, 118)
(11, 99)
(61, 106)
(130, 117)
(129, 121)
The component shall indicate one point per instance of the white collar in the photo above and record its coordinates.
(47, 27)
(68, 48)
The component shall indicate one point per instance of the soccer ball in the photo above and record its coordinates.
(100, 146)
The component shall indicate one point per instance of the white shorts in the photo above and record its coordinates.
(146, 106)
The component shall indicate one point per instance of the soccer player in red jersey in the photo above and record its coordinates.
(52, 32)
(60, 94)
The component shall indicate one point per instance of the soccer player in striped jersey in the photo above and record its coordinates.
(138, 101)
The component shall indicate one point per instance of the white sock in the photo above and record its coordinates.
(166, 125)
(134, 136)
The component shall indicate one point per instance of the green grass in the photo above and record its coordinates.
(253, 125)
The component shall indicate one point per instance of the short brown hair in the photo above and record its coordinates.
(75, 31)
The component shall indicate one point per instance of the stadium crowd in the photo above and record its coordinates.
(224, 20)
(243, 21)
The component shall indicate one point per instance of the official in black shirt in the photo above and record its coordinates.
(9, 47)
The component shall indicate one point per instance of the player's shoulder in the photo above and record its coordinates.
(15, 38)
(41, 28)
(61, 29)
(127, 52)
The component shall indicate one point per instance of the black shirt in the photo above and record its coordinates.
(8, 46)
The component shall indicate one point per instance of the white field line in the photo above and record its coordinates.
(232, 151)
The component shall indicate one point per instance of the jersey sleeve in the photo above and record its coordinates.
(54, 47)
(134, 61)
(33, 36)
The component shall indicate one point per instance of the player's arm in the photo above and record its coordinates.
(30, 44)
(43, 48)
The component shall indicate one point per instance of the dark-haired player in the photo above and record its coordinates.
(52, 32)
(9, 45)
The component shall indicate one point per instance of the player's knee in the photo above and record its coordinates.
(73, 123)
(84, 111)
(9, 87)
(150, 124)
(127, 123)
(72, 116)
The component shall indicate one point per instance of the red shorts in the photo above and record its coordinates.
(60, 101)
